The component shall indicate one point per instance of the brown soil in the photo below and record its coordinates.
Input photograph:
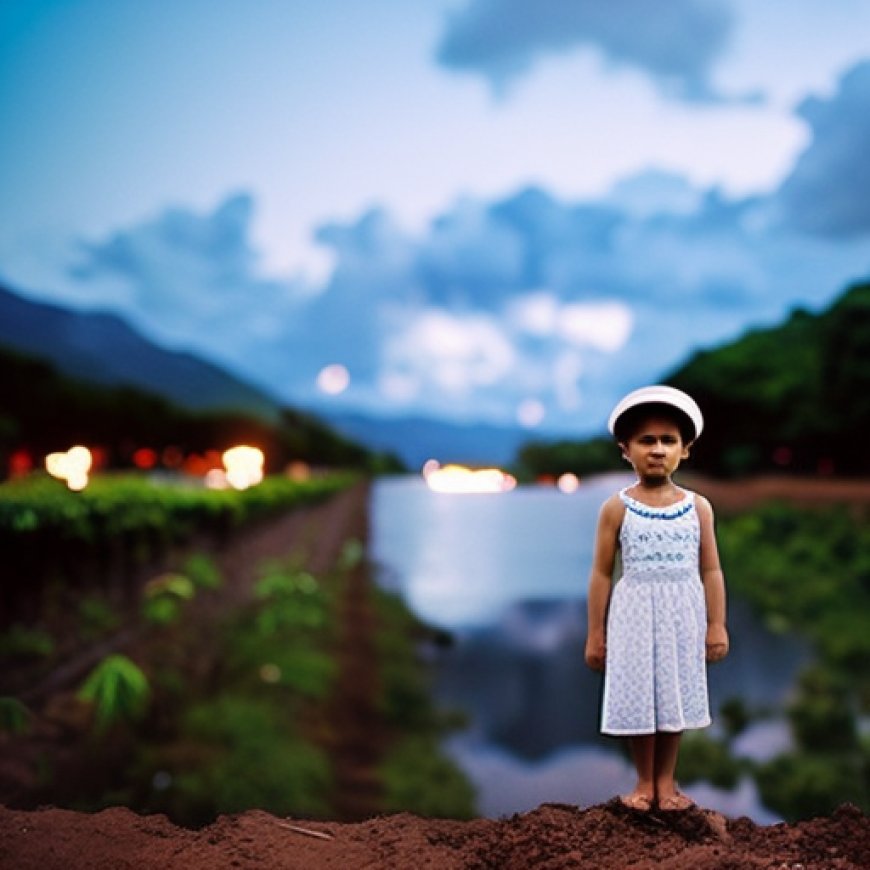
(550, 837)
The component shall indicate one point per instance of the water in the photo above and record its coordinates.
(506, 576)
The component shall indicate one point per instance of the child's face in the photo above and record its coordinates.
(655, 448)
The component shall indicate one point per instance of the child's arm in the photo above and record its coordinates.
(600, 579)
(714, 584)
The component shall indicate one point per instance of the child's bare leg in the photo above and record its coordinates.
(643, 748)
(667, 747)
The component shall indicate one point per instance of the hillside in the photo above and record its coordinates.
(42, 410)
(794, 398)
(101, 348)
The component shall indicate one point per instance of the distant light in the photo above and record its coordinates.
(244, 466)
(333, 379)
(72, 467)
(145, 458)
(459, 479)
(429, 466)
(216, 478)
(568, 483)
(298, 470)
(530, 413)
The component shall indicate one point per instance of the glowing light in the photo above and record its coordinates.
(298, 470)
(216, 478)
(244, 466)
(568, 483)
(530, 413)
(144, 458)
(429, 466)
(459, 479)
(333, 379)
(72, 467)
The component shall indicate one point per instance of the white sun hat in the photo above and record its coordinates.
(662, 395)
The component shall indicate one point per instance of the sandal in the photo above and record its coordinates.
(638, 803)
(676, 803)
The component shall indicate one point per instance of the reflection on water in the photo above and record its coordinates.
(506, 575)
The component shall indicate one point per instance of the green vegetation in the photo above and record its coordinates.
(118, 689)
(417, 777)
(14, 716)
(806, 571)
(57, 543)
(793, 398)
(544, 459)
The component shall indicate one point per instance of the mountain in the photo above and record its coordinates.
(101, 348)
(793, 398)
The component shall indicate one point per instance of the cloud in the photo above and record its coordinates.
(828, 191)
(497, 307)
(182, 269)
(675, 42)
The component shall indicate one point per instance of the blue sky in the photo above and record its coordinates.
(484, 209)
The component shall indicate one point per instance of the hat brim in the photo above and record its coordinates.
(659, 395)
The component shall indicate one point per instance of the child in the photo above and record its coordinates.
(666, 614)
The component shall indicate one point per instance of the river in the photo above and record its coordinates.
(505, 577)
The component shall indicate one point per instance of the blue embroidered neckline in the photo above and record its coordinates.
(669, 512)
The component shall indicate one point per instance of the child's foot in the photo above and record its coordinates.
(675, 803)
(637, 801)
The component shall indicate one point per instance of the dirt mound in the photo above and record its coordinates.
(550, 837)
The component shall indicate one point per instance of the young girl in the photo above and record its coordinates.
(666, 614)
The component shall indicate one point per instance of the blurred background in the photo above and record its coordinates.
(311, 317)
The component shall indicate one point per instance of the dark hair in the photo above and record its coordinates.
(631, 420)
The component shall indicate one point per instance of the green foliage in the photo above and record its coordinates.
(794, 398)
(96, 617)
(19, 641)
(164, 597)
(14, 716)
(803, 786)
(352, 554)
(552, 459)
(702, 758)
(284, 638)
(250, 757)
(118, 689)
(821, 716)
(203, 571)
(417, 778)
(807, 570)
(734, 717)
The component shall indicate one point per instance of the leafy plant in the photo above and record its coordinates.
(14, 716)
(118, 689)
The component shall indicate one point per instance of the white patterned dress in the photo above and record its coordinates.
(655, 677)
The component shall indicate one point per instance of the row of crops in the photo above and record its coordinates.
(56, 540)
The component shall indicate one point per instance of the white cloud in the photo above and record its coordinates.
(604, 326)
(455, 353)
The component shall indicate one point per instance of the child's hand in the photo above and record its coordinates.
(716, 643)
(596, 651)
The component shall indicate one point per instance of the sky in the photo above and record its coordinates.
(478, 210)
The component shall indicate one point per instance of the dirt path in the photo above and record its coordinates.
(552, 837)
